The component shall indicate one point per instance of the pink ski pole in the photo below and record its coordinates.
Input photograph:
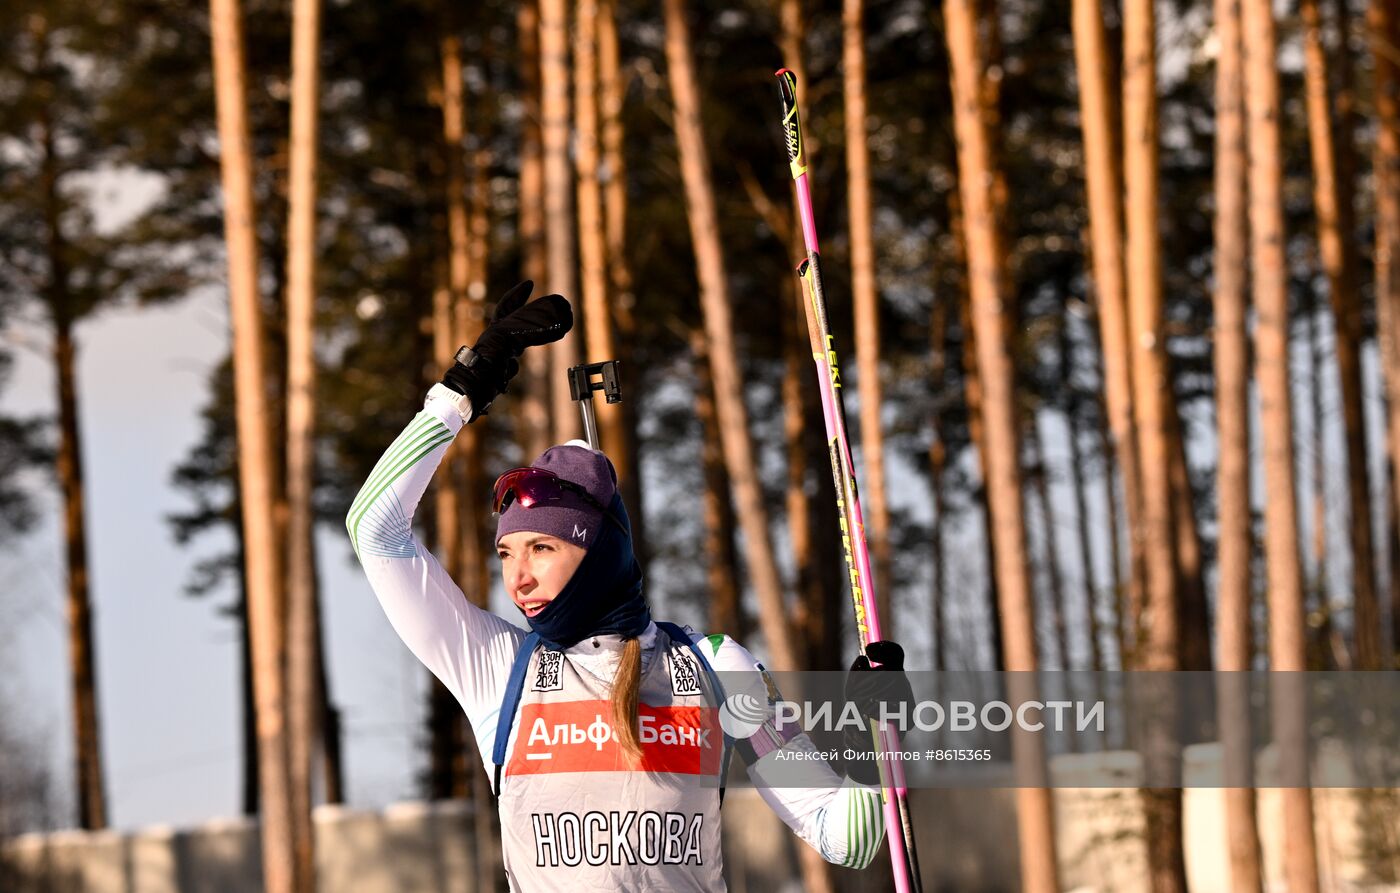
(898, 826)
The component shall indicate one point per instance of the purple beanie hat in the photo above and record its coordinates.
(570, 519)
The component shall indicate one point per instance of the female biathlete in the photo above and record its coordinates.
(606, 776)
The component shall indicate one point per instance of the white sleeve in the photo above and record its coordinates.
(468, 649)
(841, 819)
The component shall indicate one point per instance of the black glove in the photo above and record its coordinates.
(482, 371)
(868, 687)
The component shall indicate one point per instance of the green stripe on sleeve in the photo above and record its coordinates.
(862, 831)
(852, 834)
(416, 429)
(872, 827)
(407, 462)
(394, 468)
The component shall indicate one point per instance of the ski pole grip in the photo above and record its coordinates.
(792, 125)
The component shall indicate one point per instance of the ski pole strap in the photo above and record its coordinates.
(679, 635)
(515, 684)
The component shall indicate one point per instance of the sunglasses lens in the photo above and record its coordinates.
(529, 485)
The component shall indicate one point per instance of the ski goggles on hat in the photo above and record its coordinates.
(533, 487)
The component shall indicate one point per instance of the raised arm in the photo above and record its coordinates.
(467, 648)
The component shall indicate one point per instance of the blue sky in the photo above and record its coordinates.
(167, 663)
(168, 673)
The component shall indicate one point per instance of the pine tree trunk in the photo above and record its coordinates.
(597, 318)
(449, 309)
(477, 553)
(1353, 322)
(1035, 814)
(865, 295)
(1345, 144)
(447, 765)
(454, 132)
(82, 658)
(937, 465)
(1113, 621)
(303, 637)
(1315, 589)
(828, 598)
(1101, 163)
(1054, 578)
(1075, 473)
(993, 73)
(249, 719)
(457, 323)
(561, 275)
(1193, 615)
(937, 462)
(813, 527)
(612, 91)
(823, 595)
(1235, 518)
(332, 764)
(442, 716)
(1119, 582)
(972, 396)
(254, 446)
(467, 230)
(274, 310)
(1152, 407)
(818, 600)
(592, 249)
(328, 733)
(477, 549)
(479, 221)
(734, 435)
(1338, 261)
(68, 465)
(447, 520)
(1287, 643)
(1383, 24)
(534, 407)
(461, 538)
(1393, 520)
(797, 370)
(721, 558)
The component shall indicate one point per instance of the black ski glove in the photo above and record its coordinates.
(868, 687)
(483, 370)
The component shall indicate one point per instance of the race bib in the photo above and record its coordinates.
(547, 675)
